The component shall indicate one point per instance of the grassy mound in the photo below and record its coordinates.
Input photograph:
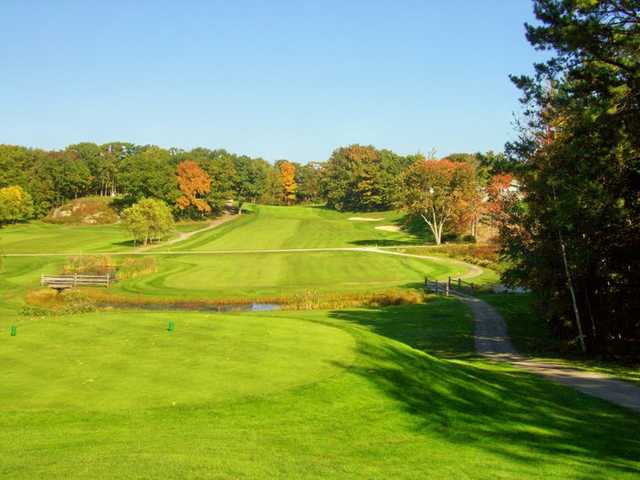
(84, 211)
(362, 393)
(99, 362)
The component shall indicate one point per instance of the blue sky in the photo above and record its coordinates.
(277, 79)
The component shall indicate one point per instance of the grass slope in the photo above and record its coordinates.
(245, 275)
(40, 237)
(255, 275)
(363, 393)
(270, 227)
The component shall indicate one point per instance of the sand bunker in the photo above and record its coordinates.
(365, 219)
(389, 228)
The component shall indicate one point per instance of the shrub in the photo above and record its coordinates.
(450, 237)
(128, 267)
(46, 302)
(485, 255)
(89, 265)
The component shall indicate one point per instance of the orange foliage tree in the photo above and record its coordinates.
(288, 180)
(193, 181)
(498, 195)
(440, 192)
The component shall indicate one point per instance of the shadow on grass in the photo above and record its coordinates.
(127, 243)
(467, 400)
(384, 242)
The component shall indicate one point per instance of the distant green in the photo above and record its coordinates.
(271, 227)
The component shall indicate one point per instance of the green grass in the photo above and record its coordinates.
(532, 336)
(277, 274)
(281, 274)
(362, 393)
(188, 226)
(40, 237)
(269, 227)
(248, 275)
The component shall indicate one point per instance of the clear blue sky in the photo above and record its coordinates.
(277, 79)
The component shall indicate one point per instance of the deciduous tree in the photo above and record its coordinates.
(148, 220)
(437, 191)
(288, 180)
(15, 205)
(193, 183)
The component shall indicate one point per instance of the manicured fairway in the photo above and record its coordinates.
(389, 393)
(270, 274)
(360, 393)
(264, 227)
(268, 227)
(206, 276)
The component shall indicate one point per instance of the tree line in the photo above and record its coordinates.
(199, 182)
(574, 236)
(192, 182)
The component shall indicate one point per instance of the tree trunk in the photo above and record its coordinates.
(573, 293)
(435, 229)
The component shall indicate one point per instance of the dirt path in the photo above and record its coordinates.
(182, 236)
(492, 341)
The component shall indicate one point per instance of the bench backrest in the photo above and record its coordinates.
(76, 280)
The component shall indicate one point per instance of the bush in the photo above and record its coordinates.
(46, 303)
(450, 237)
(485, 255)
(89, 265)
(129, 267)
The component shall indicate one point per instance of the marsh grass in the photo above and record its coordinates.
(124, 268)
(45, 302)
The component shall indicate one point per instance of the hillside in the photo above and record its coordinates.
(84, 211)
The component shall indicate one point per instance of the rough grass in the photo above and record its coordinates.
(44, 301)
(483, 255)
(361, 393)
